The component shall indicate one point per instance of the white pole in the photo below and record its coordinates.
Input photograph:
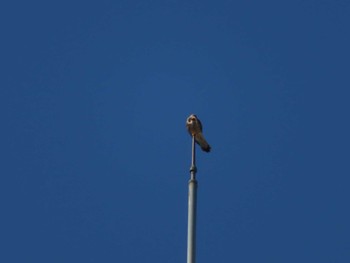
(192, 209)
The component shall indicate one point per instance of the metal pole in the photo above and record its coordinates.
(192, 209)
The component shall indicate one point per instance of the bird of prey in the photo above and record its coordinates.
(194, 127)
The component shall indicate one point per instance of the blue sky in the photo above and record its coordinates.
(95, 155)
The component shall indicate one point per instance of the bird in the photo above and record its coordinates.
(194, 127)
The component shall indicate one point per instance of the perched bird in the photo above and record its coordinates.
(194, 127)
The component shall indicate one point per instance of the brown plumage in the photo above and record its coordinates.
(194, 127)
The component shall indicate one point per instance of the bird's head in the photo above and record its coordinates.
(191, 119)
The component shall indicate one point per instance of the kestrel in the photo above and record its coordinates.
(194, 127)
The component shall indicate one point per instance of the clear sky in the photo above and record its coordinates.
(95, 156)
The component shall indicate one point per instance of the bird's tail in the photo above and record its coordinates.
(202, 142)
